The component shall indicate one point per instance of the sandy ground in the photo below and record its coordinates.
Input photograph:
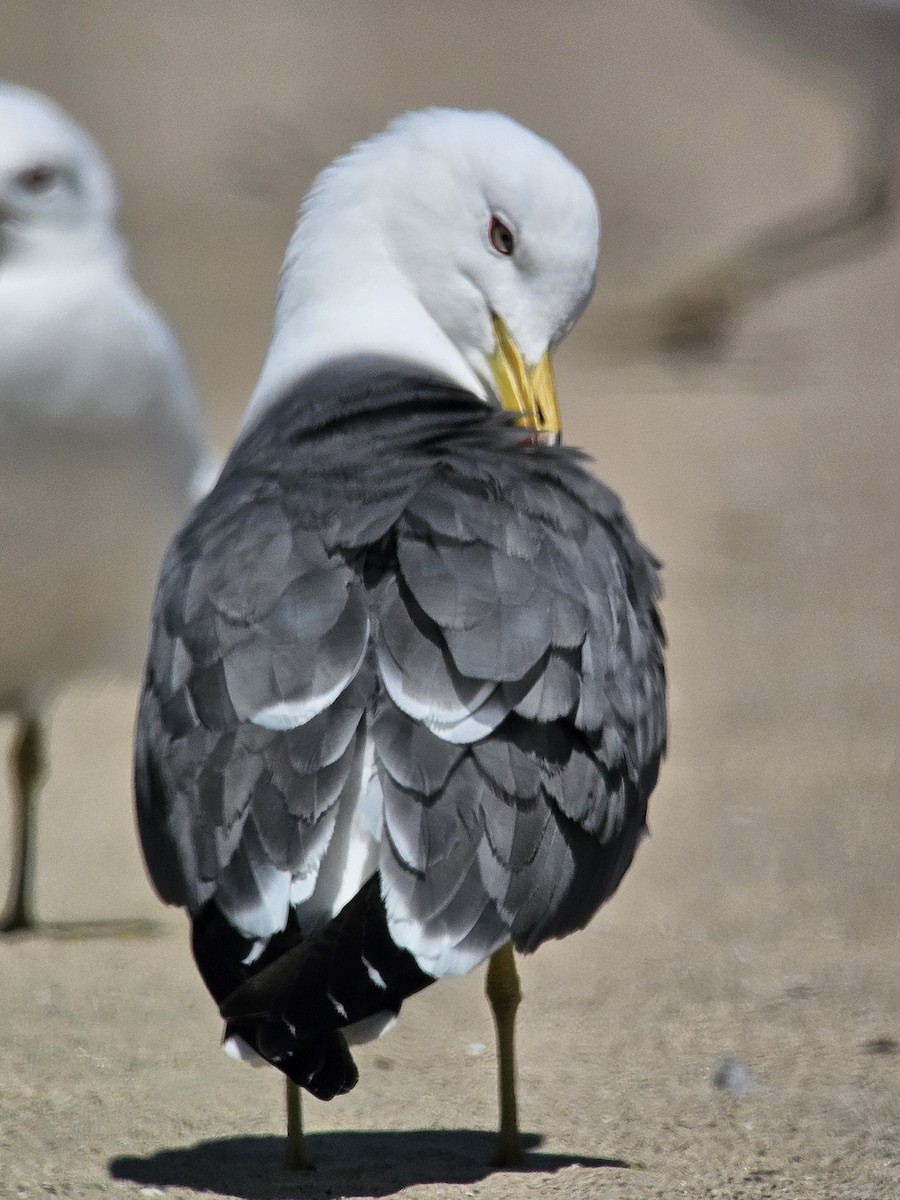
(761, 920)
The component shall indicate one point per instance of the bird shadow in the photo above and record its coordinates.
(89, 930)
(350, 1163)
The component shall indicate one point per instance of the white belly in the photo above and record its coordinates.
(82, 532)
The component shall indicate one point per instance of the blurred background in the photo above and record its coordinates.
(765, 475)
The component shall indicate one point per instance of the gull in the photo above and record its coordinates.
(101, 448)
(404, 701)
(856, 45)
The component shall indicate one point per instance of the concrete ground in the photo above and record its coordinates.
(760, 922)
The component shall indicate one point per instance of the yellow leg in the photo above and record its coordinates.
(504, 993)
(28, 768)
(296, 1157)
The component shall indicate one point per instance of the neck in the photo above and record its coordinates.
(337, 303)
(93, 244)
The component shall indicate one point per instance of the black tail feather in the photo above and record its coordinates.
(292, 1010)
(220, 951)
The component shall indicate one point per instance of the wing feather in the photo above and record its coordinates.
(251, 715)
(476, 615)
(543, 812)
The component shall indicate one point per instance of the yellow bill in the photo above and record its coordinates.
(530, 391)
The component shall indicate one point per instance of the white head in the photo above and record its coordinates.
(56, 190)
(417, 239)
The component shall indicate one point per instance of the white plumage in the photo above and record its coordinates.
(101, 448)
(361, 277)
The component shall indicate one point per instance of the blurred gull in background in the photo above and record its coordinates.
(101, 448)
(855, 45)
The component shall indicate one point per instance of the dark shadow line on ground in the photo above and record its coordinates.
(350, 1163)
(89, 930)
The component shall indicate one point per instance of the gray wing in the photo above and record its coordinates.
(491, 628)
(249, 728)
(523, 716)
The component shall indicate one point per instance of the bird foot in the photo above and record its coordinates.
(16, 921)
(509, 1152)
(296, 1158)
(697, 317)
(693, 316)
(102, 927)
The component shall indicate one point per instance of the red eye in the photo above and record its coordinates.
(37, 178)
(501, 236)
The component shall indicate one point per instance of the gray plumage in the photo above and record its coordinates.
(385, 560)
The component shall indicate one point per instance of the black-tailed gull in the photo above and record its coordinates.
(404, 702)
(100, 439)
